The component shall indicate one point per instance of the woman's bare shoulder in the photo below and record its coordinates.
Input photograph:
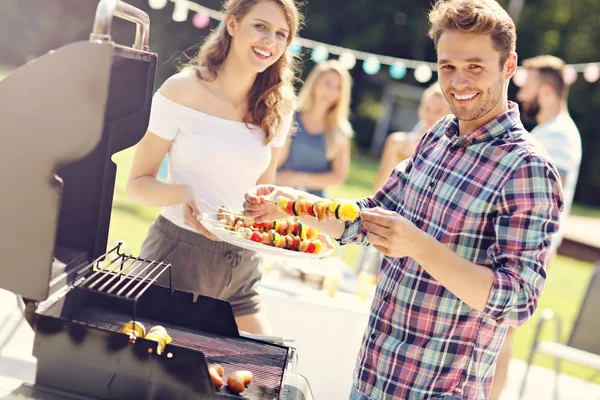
(182, 86)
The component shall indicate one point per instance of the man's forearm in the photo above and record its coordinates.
(468, 281)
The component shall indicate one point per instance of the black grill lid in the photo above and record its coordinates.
(63, 116)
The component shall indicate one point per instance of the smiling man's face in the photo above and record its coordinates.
(471, 77)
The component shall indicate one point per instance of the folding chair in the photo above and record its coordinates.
(583, 345)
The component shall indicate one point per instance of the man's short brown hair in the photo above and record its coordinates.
(479, 17)
(551, 71)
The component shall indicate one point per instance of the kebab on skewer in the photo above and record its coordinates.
(289, 241)
(284, 226)
(320, 209)
(287, 233)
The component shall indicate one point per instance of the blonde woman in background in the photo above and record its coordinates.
(400, 145)
(318, 155)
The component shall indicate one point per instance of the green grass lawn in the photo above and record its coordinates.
(567, 279)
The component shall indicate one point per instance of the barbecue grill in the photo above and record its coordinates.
(64, 115)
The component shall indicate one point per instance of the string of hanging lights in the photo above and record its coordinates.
(371, 63)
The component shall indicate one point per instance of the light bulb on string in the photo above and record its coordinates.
(201, 20)
(180, 12)
(423, 73)
(347, 60)
(570, 75)
(371, 65)
(157, 4)
(295, 47)
(398, 70)
(591, 73)
(520, 77)
(319, 54)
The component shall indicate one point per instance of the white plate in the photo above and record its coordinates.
(212, 224)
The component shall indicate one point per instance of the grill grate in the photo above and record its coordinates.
(266, 362)
(123, 276)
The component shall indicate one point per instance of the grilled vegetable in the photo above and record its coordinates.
(239, 381)
(216, 375)
(134, 329)
(159, 334)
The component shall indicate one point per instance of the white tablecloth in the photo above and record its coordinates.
(328, 332)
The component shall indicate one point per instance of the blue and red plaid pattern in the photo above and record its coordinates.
(494, 198)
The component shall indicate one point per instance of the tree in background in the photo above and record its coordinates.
(570, 30)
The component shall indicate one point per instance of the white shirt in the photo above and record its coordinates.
(220, 159)
(561, 140)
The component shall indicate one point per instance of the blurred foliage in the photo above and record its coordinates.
(568, 29)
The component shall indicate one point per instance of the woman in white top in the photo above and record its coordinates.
(222, 121)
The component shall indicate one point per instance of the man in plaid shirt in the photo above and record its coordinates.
(465, 223)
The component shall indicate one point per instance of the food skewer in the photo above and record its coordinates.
(320, 209)
(287, 233)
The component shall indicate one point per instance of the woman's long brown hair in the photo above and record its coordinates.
(272, 93)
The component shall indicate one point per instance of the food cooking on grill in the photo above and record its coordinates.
(216, 373)
(159, 334)
(321, 209)
(287, 233)
(239, 381)
(134, 329)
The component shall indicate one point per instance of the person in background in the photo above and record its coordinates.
(466, 224)
(400, 145)
(318, 155)
(222, 121)
(544, 100)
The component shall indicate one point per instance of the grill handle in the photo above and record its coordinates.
(107, 9)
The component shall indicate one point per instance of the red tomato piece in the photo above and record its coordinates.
(256, 237)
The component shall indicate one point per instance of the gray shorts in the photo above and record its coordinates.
(205, 267)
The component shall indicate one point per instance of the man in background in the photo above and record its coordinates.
(544, 100)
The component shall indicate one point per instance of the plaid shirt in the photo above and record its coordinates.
(494, 198)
